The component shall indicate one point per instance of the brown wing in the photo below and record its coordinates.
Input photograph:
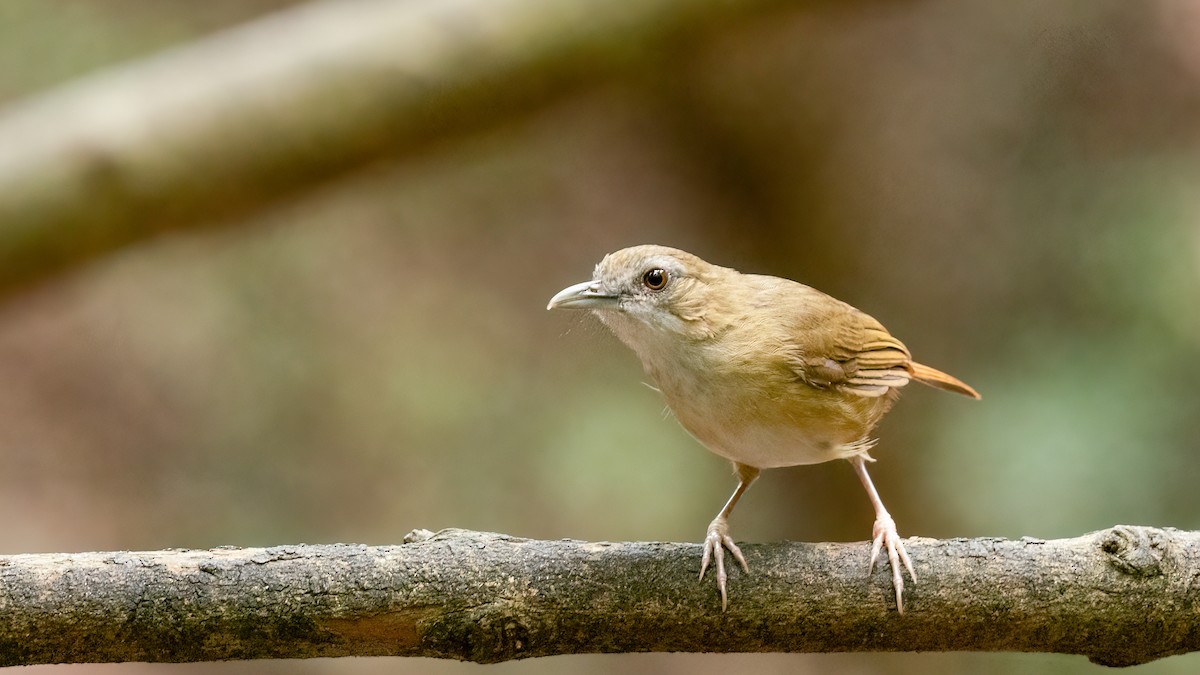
(835, 345)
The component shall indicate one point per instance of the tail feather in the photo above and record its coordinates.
(936, 378)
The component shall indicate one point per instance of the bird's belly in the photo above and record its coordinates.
(768, 421)
(807, 427)
(772, 446)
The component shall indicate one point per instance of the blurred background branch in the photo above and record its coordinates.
(246, 117)
(1121, 597)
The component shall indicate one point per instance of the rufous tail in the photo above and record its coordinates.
(936, 378)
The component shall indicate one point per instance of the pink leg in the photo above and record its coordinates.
(718, 538)
(884, 535)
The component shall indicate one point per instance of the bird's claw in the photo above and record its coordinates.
(715, 543)
(885, 535)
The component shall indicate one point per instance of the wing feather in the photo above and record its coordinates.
(837, 346)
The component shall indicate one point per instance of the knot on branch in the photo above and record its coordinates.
(1136, 551)
(418, 535)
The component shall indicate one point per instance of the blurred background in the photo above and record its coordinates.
(1009, 187)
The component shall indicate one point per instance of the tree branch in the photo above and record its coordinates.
(1121, 596)
(249, 116)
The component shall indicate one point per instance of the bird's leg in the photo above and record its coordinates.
(884, 535)
(718, 538)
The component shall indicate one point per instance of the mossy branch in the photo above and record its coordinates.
(1122, 596)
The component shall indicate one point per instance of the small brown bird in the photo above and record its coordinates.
(763, 371)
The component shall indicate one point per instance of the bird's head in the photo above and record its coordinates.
(649, 291)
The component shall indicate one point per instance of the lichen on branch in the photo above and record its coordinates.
(1121, 596)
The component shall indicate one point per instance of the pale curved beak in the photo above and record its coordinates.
(586, 295)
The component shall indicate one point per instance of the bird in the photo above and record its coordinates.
(763, 371)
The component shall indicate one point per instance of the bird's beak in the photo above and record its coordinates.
(586, 295)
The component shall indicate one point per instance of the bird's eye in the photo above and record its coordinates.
(655, 279)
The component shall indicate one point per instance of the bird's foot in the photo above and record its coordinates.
(715, 543)
(885, 536)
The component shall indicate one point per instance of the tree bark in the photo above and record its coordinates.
(249, 116)
(1121, 596)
